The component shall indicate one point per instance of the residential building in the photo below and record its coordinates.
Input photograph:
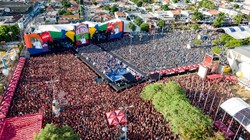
(230, 12)
(121, 15)
(16, 7)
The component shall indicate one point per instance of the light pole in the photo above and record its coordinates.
(10, 33)
(123, 135)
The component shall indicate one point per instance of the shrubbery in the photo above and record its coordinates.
(186, 120)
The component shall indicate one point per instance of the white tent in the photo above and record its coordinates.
(238, 32)
(239, 60)
(239, 110)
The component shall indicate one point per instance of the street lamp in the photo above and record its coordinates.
(10, 33)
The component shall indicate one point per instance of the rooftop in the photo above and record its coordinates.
(120, 14)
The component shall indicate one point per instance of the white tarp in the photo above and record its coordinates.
(234, 106)
(245, 69)
(56, 28)
(241, 54)
(59, 27)
(238, 32)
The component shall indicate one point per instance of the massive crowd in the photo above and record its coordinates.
(102, 60)
(83, 102)
(150, 52)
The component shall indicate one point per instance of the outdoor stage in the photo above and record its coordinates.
(115, 79)
(116, 75)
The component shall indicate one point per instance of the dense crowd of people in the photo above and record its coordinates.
(102, 60)
(150, 52)
(84, 102)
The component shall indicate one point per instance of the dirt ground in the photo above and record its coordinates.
(240, 91)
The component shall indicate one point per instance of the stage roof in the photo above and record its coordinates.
(239, 110)
(59, 27)
(238, 32)
(21, 128)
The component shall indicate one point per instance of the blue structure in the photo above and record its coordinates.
(116, 75)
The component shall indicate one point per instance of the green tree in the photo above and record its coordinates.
(238, 18)
(138, 21)
(197, 42)
(197, 16)
(206, 4)
(95, 3)
(9, 33)
(236, 6)
(113, 9)
(186, 120)
(132, 26)
(228, 41)
(216, 49)
(161, 23)
(52, 132)
(106, 7)
(139, 3)
(66, 4)
(144, 27)
(219, 20)
(194, 26)
(187, 1)
(165, 7)
(175, 1)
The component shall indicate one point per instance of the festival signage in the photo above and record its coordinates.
(82, 34)
(46, 37)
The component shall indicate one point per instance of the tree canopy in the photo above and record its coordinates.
(175, 1)
(138, 21)
(113, 9)
(52, 132)
(9, 33)
(238, 18)
(144, 1)
(197, 16)
(216, 49)
(144, 27)
(236, 6)
(132, 26)
(206, 4)
(228, 41)
(65, 12)
(66, 4)
(161, 23)
(219, 20)
(186, 120)
(165, 7)
(139, 3)
(194, 26)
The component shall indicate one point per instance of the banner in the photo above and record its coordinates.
(208, 61)
(33, 41)
(46, 37)
(82, 34)
(117, 30)
(92, 31)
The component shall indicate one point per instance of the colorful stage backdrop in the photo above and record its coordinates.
(83, 35)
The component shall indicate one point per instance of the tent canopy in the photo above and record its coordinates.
(238, 32)
(239, 110)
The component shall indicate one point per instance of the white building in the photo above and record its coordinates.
(229, 12)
